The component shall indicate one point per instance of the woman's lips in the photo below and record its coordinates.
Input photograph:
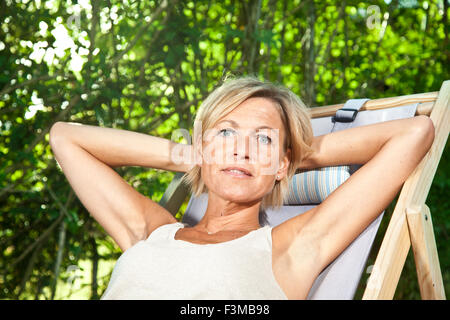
(236, 173)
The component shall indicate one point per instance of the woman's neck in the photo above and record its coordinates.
(223, 215)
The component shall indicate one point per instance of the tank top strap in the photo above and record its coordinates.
(260, 238)
(267, 231)
(165, 232)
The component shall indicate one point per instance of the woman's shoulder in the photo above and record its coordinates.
(165, 229)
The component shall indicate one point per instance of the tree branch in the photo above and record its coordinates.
(283, 32)
(142, 31)
(310, 66)
(95, 260)
(327, 55)
(59, 256)
(62, 115)
(29, 268)
(40, 239)
(47, 232)
(7, 90)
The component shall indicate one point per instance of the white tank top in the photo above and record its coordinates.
(161, 267)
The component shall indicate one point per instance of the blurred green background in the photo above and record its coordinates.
(145, 66)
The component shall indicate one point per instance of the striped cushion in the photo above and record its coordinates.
(313, 186)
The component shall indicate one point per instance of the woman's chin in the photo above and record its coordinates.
(237, 196)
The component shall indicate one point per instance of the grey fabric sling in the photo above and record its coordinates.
(341, 278)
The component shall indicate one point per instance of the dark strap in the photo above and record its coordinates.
(345, 116)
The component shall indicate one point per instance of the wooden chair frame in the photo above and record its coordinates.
(410, 223)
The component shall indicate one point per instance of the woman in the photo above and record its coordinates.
(228, 255)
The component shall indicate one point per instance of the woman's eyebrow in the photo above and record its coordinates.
(234, 124)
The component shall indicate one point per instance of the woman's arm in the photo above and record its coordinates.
(356, 145)
(391, 150)
(86, 154)
(116, 147)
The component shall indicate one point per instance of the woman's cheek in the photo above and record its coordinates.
(214, 153)
(269, 161)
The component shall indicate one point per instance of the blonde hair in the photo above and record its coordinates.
(294, 115)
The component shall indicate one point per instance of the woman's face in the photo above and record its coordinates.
(250, 140)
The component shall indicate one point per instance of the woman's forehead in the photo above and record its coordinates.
(254, 113)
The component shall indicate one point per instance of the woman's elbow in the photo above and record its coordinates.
(424, 129)
(56, 134)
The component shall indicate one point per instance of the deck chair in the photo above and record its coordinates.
(410, 223)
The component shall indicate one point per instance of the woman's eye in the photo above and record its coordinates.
(226, 132)
(264, 139)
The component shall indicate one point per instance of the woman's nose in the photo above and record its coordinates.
(242, 147)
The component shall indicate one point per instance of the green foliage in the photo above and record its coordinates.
(130, 65)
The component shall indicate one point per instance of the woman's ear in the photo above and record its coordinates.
(197, 152)
(197, 143)
(284, 165)
(197, 155)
